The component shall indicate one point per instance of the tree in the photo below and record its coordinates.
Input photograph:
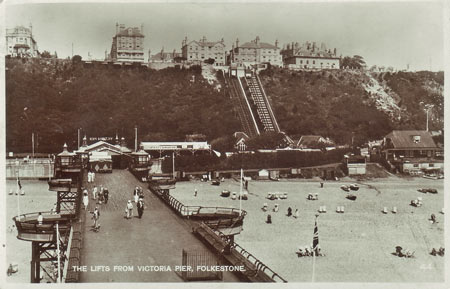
(76, 59)
(266, 140)
(355, 62)
(46, 54)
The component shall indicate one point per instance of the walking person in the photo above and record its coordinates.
(94, 193)
(100, 194)
(129, 210)
(93, 177)
(136, 194)
(85, 199)
(195, 193)
(106, 195)
(96, 217)
(296, 213)
(140, 207)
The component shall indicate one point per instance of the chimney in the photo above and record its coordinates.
(237, 42)
(117, 139)
(334, 51)
(84, 141)
(257, 40)
(276, 43)
(204, 39)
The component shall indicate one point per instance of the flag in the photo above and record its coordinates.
(315, 237)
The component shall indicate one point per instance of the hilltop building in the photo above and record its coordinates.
(309, 56)
(20, 42)
(127, 44)
(255, 52)
(199, 51)
(164, 57)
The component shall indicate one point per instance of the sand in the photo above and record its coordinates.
(357, 244)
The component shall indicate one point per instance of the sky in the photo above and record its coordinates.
(384, 33)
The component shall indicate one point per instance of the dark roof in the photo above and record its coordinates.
(258, 45)
(405, 139)
(134, 32)
(207, 43)
(308, 140)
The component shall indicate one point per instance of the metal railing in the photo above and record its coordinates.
(212, 226)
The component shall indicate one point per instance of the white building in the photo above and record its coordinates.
(20, 42)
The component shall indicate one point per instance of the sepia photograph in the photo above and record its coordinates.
(223, 143)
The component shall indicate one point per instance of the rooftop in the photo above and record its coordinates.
(411, 139)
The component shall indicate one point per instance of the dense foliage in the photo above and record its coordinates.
(335, 104)
(416, 90)
(53, 98)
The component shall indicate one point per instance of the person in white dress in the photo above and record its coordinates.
(85, 199)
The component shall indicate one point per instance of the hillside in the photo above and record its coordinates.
(344, 103)
(53, 98)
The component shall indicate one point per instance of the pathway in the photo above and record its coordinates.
(155, 240)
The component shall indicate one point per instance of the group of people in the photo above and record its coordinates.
(276, 208)
(440, 252)
(91, 177)
(138, 196)
(308, 251)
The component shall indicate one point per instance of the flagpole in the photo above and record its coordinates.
(18, 194)
(314, 251)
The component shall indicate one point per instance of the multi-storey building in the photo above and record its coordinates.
(20, 42)
(255, 52)
(199, 51)
(309, 56)
(127, 44)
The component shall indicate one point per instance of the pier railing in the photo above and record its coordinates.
(209, 231)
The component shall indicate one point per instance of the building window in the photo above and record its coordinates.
(416, 165)
(431, 165)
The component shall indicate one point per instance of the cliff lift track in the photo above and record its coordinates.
(241, 105)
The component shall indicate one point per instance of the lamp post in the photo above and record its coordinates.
(427, 109)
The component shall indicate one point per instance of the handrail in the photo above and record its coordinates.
(188, 211)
